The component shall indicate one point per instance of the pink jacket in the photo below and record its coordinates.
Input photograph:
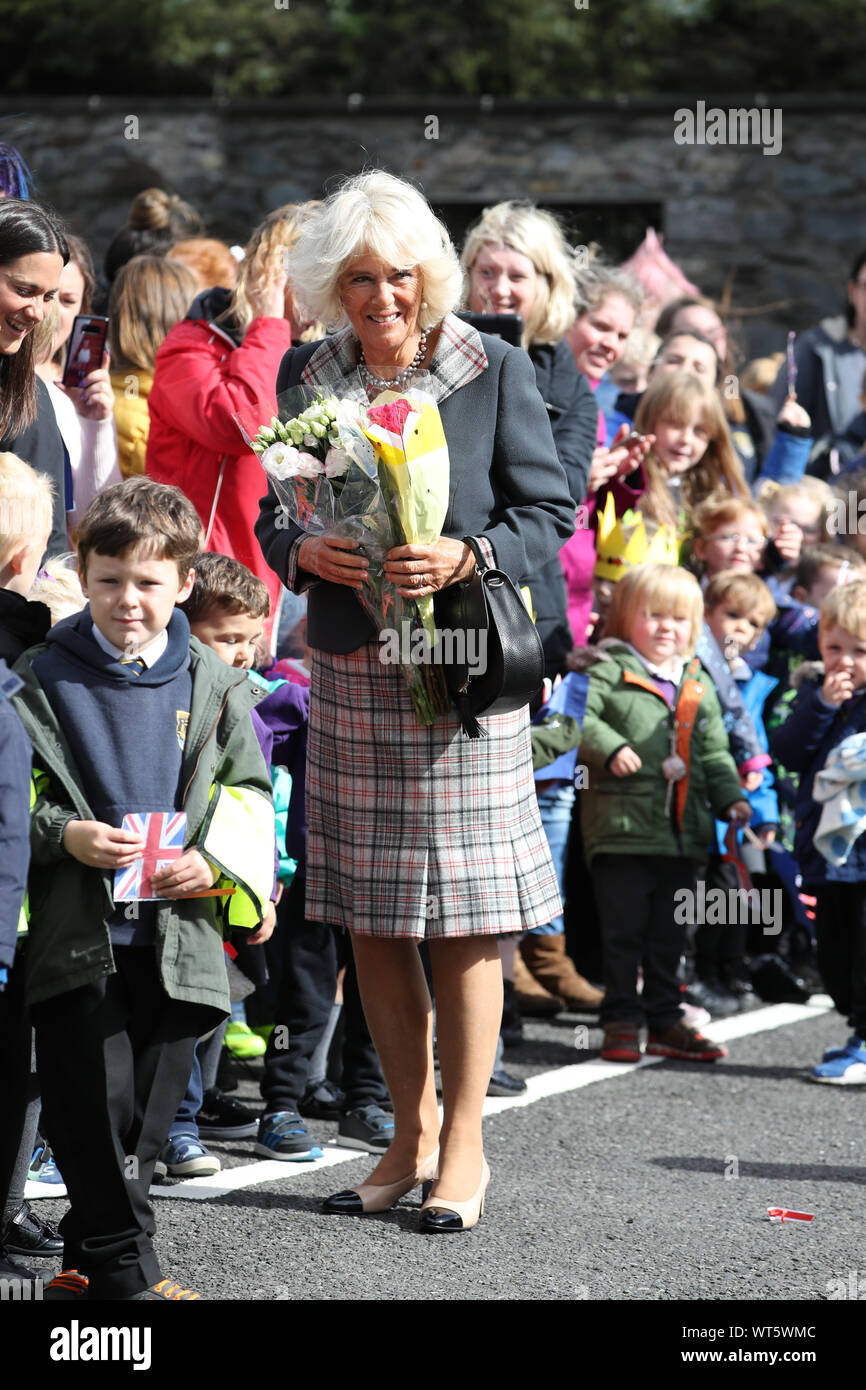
(577, 556)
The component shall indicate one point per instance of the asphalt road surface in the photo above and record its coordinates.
(627, 1185)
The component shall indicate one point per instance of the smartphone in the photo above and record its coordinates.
(86, 348)
(509, 327)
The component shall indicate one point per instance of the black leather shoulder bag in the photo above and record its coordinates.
(498, 663)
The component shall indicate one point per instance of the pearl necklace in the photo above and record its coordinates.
(396, 382)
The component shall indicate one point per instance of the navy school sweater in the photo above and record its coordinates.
(126, 732)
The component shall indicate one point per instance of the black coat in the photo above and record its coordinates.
(23, 624)
(42, 447)
(506, 484)
(573, 416)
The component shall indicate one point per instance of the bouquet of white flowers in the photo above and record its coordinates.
(376, 473)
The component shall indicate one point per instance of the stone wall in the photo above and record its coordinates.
(785, 226)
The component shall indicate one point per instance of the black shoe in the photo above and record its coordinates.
(223, 1117)
(701, 993)
(511, 1031)
(776, 983)
(14, 1269)
(742, 991)
(501, 1084)
(369, 1127)
(324, 1101)
(27, 1234)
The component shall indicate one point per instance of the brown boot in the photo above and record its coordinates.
(532, 999)
(546, 960)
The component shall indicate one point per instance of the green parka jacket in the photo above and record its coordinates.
(227, 799)
(626, 815)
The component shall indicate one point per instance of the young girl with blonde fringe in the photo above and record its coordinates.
(692, 454)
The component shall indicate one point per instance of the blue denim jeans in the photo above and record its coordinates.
(556, 804)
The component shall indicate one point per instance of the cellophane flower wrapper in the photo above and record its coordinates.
(405, 430)
(389, 487)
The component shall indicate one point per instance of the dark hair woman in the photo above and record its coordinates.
(33, 252)
(155, 220)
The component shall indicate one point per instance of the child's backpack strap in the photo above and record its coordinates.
(691, 694)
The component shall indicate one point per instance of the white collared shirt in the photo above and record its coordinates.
(149, 655)
(673, 675)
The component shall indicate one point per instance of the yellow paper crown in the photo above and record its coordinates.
(621, 543)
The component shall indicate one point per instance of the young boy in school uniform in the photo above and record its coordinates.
(128, 713)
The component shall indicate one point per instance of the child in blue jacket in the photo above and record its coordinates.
(738, 607)
(830, 844)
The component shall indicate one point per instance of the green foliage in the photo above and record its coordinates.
(413, 48)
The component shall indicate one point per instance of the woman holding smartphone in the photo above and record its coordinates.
(33, 252)
(84, 414)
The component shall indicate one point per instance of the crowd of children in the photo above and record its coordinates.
(707, 733)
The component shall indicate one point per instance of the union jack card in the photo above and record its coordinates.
(163, 834)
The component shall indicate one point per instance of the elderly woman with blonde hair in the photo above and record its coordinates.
(416, 833)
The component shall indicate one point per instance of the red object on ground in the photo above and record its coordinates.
(783, 1214)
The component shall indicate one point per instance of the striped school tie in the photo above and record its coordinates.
(137, 664)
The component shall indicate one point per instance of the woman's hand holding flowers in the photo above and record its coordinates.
(333, 558)
(420, 570)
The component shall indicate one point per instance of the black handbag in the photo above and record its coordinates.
(499, 663)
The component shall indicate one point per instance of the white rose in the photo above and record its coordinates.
(281, 461)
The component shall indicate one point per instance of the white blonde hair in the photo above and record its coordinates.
(538, 236)
(26, 504)
(377, 214)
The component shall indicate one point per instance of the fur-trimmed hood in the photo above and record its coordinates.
(807, 671)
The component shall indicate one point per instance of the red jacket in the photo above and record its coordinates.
(202, 378)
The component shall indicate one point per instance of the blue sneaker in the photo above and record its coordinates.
(844, 1066)
(44, 1178)
(283, 1135)
(185, 1156)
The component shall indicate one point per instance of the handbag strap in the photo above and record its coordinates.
(480, 559)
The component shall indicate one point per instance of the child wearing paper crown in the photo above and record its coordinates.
(127, 713)
(657, 761)
(824, 739)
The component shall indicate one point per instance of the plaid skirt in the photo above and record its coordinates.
(416, 832)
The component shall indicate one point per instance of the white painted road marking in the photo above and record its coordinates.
(547, 1083)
